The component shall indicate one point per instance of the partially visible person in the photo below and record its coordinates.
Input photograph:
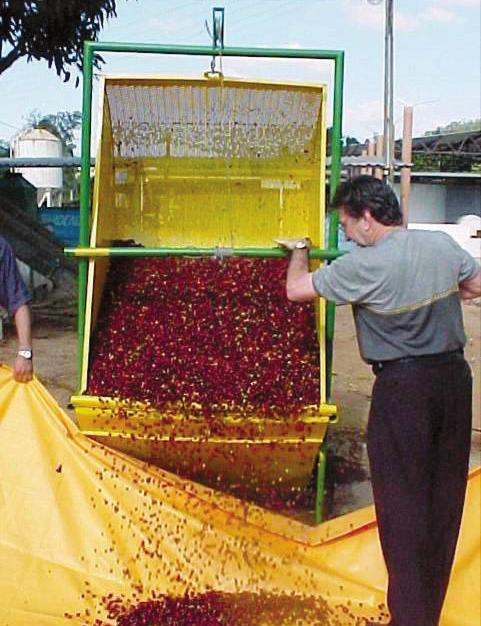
(405, 287)
(14, 297)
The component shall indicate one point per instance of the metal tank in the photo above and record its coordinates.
(39, 142)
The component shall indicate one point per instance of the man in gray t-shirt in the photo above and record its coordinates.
(405, 292)
(405, 288)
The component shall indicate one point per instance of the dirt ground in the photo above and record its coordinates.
(55, 348)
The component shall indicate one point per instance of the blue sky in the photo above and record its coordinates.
(437, 55)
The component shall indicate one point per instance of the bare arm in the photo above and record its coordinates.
(22, 367)
(299, 287)
(471, 288)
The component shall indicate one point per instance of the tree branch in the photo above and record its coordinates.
(10, 59)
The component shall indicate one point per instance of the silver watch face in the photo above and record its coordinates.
(26, 354)
(301, 244)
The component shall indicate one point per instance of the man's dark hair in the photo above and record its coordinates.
(366, 192)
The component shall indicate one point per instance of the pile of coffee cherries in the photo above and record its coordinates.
(223, 609)
(218, 334)
(199, 611)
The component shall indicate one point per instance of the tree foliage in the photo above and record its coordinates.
(62, 124)
(52, 30)
(450, 162)
(346, 141)
(459, 126)
(445, 163)
(350, 141)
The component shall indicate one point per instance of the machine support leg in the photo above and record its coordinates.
(320, 482)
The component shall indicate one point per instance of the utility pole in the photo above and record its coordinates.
(389, 92)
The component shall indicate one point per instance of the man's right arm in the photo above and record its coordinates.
(299, 287)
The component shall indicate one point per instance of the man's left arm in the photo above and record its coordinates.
(23, 367)
(471, 287)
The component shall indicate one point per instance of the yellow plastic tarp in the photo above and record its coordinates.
(79, 521)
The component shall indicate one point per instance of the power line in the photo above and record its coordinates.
(264, 12)
(10, 125)
(143, 23)
(233, 22)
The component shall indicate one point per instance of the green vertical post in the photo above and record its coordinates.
(84, 199)
(336, 149)
(335, 177)
(320, 483)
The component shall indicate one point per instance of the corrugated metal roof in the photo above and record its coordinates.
(207, 119)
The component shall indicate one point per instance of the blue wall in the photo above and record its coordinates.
(64, 223)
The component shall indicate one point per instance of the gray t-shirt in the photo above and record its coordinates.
(404, 292)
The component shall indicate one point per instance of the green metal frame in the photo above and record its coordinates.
(337, 56)
(90, 48)
(262, 253)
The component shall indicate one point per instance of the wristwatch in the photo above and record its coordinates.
(26, 354)
(301, 244)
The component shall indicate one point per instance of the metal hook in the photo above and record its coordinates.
(218, 27)
(217, 36)
(208, 29)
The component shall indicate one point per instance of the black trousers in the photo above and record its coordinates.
(418, 439)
